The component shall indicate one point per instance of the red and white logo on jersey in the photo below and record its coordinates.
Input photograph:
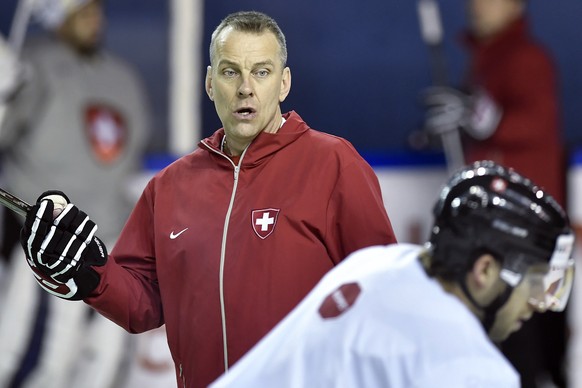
(107, 132)
(264, 221)
(339, 300)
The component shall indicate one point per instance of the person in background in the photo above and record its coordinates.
(404, 315)
(77, 117)
(226, 240)
(508, 109)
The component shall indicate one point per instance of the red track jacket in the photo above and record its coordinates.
(520, 76)
(221, 253)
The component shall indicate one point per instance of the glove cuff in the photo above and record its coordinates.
(53, 192)
(86, 278)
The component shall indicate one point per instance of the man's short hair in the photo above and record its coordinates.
(252, 22)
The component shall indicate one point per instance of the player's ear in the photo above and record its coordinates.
(208, 83)
(485, 271)
(483, 279)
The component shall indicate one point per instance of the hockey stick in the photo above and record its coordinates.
(17, 34)
(14, 203)
(15, 41)
(432, 34)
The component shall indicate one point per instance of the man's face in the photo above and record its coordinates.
(247, 83)
(489, 17)
(518, 308)
(83, 28)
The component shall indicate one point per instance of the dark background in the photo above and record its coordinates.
(357, 66)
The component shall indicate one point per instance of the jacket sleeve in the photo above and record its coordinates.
(128, 293)
(356, 214)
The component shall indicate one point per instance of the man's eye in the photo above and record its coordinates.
(262, 73)
(229, 73)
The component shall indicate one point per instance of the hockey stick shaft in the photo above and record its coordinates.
(432, 34)
(16, 36)
(14, 203)
(19, 25)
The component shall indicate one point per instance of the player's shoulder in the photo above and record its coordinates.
(118, 63)
(389, 250)
(377, 260)
(531, 52)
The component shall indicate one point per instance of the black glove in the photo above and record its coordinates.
(61, 247)
(448, 109)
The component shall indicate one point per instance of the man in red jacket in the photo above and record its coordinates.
(225, 241)
(510, 113)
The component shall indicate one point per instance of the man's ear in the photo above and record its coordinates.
(285, 84)
(485, 271)
(208, 83)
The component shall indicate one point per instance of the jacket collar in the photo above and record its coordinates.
(516, 31)
(264, 144)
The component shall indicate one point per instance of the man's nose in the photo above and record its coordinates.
(245, 89)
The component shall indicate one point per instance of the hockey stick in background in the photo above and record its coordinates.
(14, 203)
(19, 24)
(15, 41)
(432, 34)
(17, 33)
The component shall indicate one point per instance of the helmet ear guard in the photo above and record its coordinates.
(488, 208)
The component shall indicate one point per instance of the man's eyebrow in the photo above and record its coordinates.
(264, 63)
(226, 62)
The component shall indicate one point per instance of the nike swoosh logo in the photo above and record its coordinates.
(174, 235)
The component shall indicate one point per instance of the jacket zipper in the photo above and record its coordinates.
(182, 377)
(223, 249)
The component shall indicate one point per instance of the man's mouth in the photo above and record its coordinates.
(245, 113)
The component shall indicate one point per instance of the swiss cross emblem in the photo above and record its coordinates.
(264, 221)
(107, 132)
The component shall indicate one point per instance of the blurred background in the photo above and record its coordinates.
(358, 67)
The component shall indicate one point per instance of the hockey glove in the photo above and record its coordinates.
(61, 246)
(450, 109)
(485, 116)
(447, 109)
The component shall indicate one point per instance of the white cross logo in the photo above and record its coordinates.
(265, 222)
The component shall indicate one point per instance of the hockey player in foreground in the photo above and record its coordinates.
(411, 316)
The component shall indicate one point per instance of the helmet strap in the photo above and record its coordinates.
(493, 308)
(490, 311)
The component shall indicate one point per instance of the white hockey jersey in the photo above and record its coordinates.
(376, 320)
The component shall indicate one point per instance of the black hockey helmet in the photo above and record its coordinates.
(488, 208)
